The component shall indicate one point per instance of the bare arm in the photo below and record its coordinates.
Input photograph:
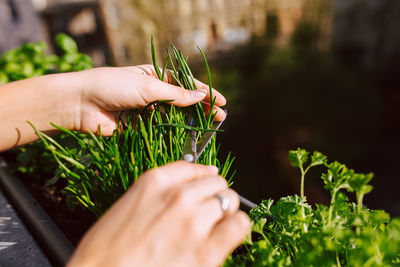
(84, 100)
(40, 100)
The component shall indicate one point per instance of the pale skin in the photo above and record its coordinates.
(171, 216)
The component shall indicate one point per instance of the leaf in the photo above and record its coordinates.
(358, 182)
(258, 226)
(318, 159)
(153, 55)
(298, 157)
(52, 181)
(66, 43)
(3, 77)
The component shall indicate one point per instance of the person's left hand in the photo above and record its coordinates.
(108, 91)
(85, 100)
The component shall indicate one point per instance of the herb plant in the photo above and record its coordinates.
(100, 169)
(291, 232)
(31, 60)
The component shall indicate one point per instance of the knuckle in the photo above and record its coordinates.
(194, 227)
(152, 94)
(154, 177)
(181, 163)
(145, 69)
(220, 182)
(234, 197)
(181, 199)
(182, 92)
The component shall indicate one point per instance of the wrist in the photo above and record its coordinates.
(51, 98)
(67, 99)
(59, 100)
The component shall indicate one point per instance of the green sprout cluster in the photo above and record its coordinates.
(100, 169)
(31, 60)
(291, 232)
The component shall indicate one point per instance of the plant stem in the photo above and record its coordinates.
(359, 202)
(302, 181)
(250, 254)
(338, 259)
(303, 215)
(331, 205)
(359, 207)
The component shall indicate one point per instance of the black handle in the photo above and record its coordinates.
(245, 204)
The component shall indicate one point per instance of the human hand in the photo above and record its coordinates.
(84, 100)
(108, 91)
(170, 217)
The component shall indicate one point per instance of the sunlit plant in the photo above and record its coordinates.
(31, 60)
(291, 232)
(100, 169)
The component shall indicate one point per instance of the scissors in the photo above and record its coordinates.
(193, 149)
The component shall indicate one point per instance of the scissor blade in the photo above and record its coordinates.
(206, 138)
(189, 149)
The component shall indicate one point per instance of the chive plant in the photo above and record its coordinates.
(100, 169)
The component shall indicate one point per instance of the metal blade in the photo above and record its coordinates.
(206, 138)
(189, 149)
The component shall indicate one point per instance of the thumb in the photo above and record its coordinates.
(159, 90)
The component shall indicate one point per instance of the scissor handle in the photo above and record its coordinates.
(245, 204)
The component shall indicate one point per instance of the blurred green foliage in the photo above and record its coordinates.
(32, 60)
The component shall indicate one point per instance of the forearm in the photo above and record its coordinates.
(41, 100)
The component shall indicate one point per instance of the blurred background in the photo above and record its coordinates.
(318, 74)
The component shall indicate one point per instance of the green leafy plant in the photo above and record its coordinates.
(31, 60)
(291, 232)
(100, 169)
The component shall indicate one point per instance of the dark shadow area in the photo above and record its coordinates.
(342, 101)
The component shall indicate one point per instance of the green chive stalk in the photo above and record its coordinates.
(100, 169)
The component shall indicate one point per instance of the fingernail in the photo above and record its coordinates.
(199, 93)
(214, 169)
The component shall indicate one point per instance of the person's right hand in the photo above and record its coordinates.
(170, 217)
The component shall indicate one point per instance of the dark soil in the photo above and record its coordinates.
(73, 224)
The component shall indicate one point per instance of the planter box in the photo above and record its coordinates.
(56, 247)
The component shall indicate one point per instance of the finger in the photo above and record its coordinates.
(215, 203)
(178, 172)
(210, 212)
(178, 188)
(150, 71)
(155, 182)
(189, 196)
(219, 98)
(219, 113)
(230, 232)
(156, 90)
